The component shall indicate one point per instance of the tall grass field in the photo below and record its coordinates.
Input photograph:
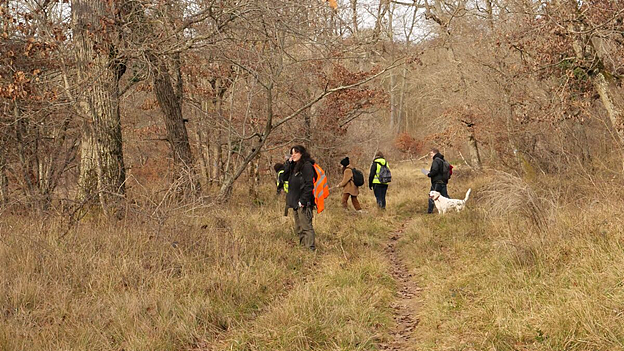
(527, 266)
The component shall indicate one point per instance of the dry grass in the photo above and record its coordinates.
(177, 281)
(496, 278)
(234, 278)
(136, 287)
(509, 194)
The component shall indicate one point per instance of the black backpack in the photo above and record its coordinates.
(358, 177)
(384, 173)
(447, 169)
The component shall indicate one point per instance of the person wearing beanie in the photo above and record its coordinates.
(349, 189)
(345, 162)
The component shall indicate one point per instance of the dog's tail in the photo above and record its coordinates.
(467, 194)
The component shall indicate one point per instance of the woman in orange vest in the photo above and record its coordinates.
(299, 170)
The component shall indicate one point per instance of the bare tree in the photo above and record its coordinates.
(170, 102)
(102, 169)
(354, 16)
(36, 129)
(4, 181)
(589, 49)
(443, 15)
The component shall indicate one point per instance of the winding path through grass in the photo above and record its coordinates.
(405, 306)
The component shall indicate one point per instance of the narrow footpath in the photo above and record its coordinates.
(406, 304)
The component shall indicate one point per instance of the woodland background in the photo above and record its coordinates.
(104, 101)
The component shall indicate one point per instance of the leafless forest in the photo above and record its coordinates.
(105, 102)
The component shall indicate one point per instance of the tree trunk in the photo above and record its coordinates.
(307, 119)
(170, 102)
(381, 13)
(217, 152)
(226, 188)
(473, 144)
(490, 13)
(585, 48)
(401, 118)
(606, 97)
(354, 17)
(395, 109)
(254, 178)
(225, 191)
(204, 155)
(22, 153)
(4, 181)
(475, 157)
(102, 170)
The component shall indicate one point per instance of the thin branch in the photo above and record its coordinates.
(335, 90)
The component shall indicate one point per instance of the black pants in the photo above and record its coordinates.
(441, 188)
(380, 194)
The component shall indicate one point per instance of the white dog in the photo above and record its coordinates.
(444, 204)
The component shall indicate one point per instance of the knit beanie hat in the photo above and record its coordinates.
(345, 161)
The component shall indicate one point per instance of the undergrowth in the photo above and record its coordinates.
(542, 270)
(532, 266)
(202, 279)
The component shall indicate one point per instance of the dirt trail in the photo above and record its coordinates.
(406, 305)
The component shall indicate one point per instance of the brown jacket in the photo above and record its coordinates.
(347, 183)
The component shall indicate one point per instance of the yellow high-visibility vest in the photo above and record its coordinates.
(379, 161)
(285, 182)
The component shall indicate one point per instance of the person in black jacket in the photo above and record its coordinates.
(299, 171)
(439, 180)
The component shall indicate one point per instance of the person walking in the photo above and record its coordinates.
(376, 182)
(349, 189)
(439, 179)
(299, 171)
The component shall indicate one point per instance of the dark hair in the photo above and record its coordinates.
(278, 166)
(300, 149)
(305, 156)
(379, 154)
(435, 151)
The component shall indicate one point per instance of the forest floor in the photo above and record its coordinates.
(235, 278)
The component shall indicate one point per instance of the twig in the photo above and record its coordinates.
(466, 162)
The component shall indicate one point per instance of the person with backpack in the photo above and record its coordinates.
(299, 170)
(378, 179)
(352, 179)
(281, 183)
(439, 174)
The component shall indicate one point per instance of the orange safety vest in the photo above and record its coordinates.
(321, 189)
